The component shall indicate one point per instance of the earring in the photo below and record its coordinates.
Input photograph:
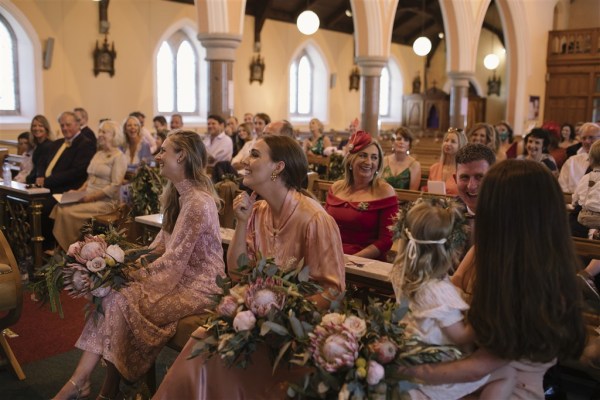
(273, 176)
(179, 161)
(350, 168)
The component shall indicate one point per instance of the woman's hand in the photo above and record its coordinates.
(242, 206)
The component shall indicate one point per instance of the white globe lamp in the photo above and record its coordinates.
(308, 22)
(422, 46)
(491, 61)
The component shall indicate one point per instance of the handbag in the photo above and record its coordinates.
(587, 217)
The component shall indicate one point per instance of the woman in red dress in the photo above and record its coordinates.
(362, 203)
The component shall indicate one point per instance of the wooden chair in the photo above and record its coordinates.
(11, 300)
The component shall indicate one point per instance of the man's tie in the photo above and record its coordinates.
(56, 157)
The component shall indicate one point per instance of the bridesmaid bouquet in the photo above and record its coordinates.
(91, 268)
(355, 354)
(268, 305)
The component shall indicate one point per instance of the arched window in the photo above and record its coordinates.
(9, 100)
(390, 92)
(21, 88)
(308, 84)
(178, 75)
(384, 92)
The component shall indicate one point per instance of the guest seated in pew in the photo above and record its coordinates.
(318, 141)
(536, 144)
(508, 146)
(435, 316)
(362, 203)
(472, 163)
(281, 127)
(41, 139)
(586, 198)
(400, 169)
(484, 134)
(577, 166)
(24, 149)
(246, 142)
(289, 225)
(445, 169)
(140, 318)
(105, 176)
(136, 149)
(537, 318)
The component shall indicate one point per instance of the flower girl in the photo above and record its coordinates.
(435, 317)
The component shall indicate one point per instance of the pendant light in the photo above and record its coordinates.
(422, 46)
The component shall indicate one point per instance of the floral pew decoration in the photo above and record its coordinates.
(90, 268)
(268, 305)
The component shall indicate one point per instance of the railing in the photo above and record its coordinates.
(575, 44)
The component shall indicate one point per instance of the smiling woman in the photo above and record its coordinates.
(362, 203)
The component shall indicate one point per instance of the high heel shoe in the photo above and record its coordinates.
(81, 395)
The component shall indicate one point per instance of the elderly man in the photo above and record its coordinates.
(472, 163)
(218, 145)
(69, 157)
(281, 127)
(576, 166)
(82, 118)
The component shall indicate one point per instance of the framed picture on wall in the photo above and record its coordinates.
(534, 107)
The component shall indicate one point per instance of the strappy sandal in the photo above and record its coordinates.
(80, 395)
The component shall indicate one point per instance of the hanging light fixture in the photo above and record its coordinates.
(308, 22)
(422, 46)
(491, 62)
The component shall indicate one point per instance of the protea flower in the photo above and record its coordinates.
(262, 295)
(227, 307)
(333, 347)
(90, 248)
(77, 280)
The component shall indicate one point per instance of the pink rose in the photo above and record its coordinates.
(375, 373)
(384, 349)
(227, 307)
(244, 321)
(116, 253)
(96, 265)
(356, 325)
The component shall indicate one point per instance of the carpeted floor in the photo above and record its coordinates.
(45, 377)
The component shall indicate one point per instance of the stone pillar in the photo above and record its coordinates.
(370, 74)
(459, 98)
(220, 54)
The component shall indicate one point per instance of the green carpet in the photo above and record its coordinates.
(44, 378)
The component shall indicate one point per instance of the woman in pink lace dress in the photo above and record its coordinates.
(288, 224)
(139, 319)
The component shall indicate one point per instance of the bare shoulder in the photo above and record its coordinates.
(384, 190)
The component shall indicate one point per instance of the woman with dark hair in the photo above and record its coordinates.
(536, 144)
(245, 140)
(537, 318)
(508, 147)
(139, 319)
(287, 224)
(400, 169)
(362, 203)
(567, 136)
(41, 139)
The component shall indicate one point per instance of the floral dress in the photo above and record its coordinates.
(139, 319)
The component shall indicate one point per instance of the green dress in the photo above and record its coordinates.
(400, 181)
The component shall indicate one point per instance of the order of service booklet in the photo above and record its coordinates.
(69, 197)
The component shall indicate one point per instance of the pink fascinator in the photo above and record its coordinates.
(359, 141)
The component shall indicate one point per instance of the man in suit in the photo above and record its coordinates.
(69, 157)
(82, 118)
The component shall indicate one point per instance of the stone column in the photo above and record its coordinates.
(370, 74)
(220, 54)
(459, 98)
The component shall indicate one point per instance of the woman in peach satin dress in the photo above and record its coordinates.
(288, 224)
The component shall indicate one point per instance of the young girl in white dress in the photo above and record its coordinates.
(436, 309)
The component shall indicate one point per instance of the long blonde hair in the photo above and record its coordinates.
(424, 251)
(195, 161)
(349, 160)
